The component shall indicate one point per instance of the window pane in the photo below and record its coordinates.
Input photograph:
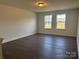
(48, 21)
(61, 18)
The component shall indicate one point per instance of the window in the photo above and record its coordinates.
(48, 22)
(60, 22)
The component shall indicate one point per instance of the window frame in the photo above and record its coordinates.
(50, 19)
(64, 21)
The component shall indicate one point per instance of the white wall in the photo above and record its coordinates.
(78, 36)
(16, 23)
(71, 22)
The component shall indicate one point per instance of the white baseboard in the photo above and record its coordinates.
(15, 38)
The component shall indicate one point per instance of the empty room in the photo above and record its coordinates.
(39, 29)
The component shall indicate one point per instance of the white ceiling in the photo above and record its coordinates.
(53, 4)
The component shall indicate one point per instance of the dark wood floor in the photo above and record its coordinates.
(41, 46)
